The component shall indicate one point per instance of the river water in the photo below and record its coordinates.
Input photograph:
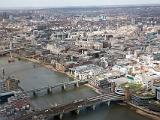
(39, 76)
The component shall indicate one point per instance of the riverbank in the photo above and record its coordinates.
(93, 88)
(50, 67)
(145, 112)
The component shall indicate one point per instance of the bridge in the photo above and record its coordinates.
(75, 107)
(50, 89)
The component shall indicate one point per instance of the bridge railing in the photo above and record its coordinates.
(57, 85)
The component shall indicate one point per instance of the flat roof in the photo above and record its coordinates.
(120, 80)
(6, 93)
(157, 85)
(1, 80)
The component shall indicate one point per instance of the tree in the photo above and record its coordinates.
(133, 87)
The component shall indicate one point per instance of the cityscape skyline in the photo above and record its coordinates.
(70, 3)
(79, 60)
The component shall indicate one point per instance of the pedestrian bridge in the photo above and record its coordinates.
(50, 89)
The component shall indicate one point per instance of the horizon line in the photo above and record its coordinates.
(81, 6)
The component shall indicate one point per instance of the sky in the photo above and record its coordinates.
(66, 3)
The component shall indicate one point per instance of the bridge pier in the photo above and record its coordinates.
(64, 87)
(77, 84)
(49, 90)
(94, 107)
(34, 93)
(77, 111)
(61, 116)
(108, 103)
(3, 73)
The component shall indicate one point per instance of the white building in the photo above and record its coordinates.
(86, 71)
(120, 68)
(89, 44)
(54, 48)
(145, 79)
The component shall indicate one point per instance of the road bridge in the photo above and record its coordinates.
(75, 106)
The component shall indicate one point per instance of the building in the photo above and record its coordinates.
(4, 96)
(28, 53)
(154, 106)
(158, 93)
(141, 100)
(11, 84)
(156, 56)
(89, 44)
(85, 71)
(3, 87)
(42, 52)
(104, 84)
(55, 48)
(17, 104)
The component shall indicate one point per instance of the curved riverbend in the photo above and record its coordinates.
(39, 77)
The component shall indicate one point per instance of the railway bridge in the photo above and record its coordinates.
(75, 107)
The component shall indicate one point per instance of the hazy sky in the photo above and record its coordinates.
(61, 3)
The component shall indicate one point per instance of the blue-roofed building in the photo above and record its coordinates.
(158, 93)
(151, 36)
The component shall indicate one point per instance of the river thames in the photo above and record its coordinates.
(31, 78)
